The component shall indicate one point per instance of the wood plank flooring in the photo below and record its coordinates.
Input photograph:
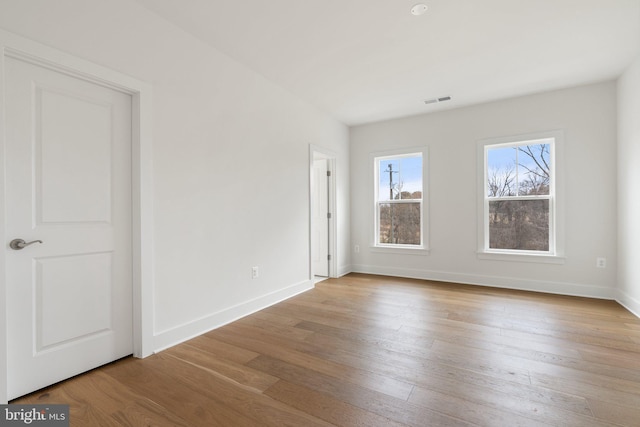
(379, 351)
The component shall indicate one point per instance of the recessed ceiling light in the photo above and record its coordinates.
(419, 9)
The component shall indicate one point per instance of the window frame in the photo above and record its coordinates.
(555, 254)
(375, 245)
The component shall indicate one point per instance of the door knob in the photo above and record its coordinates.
(18, 244)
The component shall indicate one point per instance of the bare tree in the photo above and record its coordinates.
(501, 181)
(400, 222)
(538, 178)
(540, 157)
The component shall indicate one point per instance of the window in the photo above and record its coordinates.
(519, 204)
(399, 200)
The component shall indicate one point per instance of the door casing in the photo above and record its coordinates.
(316, 152)
(15, 46)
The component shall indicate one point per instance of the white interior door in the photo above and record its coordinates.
(320, 219)
(68, 184)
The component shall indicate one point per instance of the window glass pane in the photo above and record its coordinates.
(521, 170)
(519, 225)
(410, 179)
(533, 169)
(400, 178)
(388, 170)
(399, 223)
(501, 172)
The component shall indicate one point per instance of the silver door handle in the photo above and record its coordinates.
(18, 244)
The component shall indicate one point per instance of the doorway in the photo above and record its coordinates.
(323, 219)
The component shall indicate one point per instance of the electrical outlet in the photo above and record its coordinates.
(601, 262)
(356, 248)
(254, 272)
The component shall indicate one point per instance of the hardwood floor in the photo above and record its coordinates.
(379, 351)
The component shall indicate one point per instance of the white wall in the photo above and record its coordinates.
(231, 168)
(629, 188)
(588, 117)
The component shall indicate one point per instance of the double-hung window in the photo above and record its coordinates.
(399, 200)
(519, 203)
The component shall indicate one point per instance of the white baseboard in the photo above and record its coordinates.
(627, 301)
(171, 337)
(561, 288)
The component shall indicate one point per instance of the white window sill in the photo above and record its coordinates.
(404, 250)
(521, 257)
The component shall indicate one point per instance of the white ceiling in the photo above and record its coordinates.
(364, 61)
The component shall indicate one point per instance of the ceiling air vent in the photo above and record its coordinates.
(436, 100)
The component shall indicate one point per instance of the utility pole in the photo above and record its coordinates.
(390, 181)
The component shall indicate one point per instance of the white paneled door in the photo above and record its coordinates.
(68, 190)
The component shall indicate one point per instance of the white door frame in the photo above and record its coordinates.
(316, 152)
(15, 46)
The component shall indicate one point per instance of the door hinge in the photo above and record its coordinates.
(328, 173)
(328, 215)
(329, 257)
